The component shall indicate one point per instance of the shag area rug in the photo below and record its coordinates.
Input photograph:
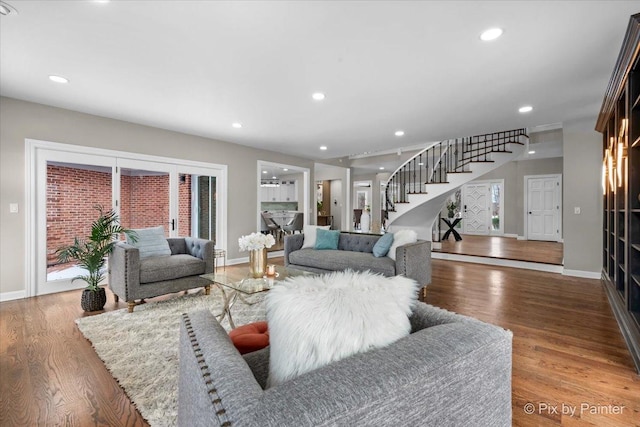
(140, 349)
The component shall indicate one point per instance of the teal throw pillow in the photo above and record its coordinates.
(327, 239)
(381, 248)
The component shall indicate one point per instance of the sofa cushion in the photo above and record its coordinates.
(352, 313)
(250, 337)
(381, 248)
(334, 260)
(150, 242)
(357, 242)
(160, 268)
(327, 239)
(309, 233)
(401, 238)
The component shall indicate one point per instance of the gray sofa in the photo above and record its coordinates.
(355, 251)
(450, 371)
(132, 278)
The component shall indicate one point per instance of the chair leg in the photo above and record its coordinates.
(116, 298)
(131, 305)
(207, 290)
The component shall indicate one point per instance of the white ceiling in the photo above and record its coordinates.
(198, 66)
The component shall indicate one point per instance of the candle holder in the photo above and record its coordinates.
(271, 270)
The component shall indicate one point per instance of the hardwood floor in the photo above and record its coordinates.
(505, 248)
(567, 349)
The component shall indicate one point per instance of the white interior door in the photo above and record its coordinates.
(476, 209)
(543, 195)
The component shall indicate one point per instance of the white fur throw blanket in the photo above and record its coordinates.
(316, 320)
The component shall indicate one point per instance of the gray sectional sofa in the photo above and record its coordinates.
(355, 252)
(450, 371)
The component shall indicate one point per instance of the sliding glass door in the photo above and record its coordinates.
(186, 200)
(144, 195)
(70, 188)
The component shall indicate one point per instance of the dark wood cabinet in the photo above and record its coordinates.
(619, 122)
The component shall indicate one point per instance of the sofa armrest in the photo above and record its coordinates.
(292, 243)
(414, 260)
(215, 384)
(124, 270)
(201, 248)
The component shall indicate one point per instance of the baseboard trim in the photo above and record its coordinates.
(10, 296)
(521, 238)
(549, 268)
(582, 273)
(513, 236)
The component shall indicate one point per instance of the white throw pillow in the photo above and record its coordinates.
(400, 238)
(316, 320)
(310, 232)
(151, 242)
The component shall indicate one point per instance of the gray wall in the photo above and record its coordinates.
(20, 120)
(513, 174)
(582, 188)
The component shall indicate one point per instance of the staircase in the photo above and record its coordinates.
(417, 190)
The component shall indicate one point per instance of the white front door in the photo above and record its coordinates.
(475, 207)
(543, 207)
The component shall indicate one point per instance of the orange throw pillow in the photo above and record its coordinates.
(251, 337)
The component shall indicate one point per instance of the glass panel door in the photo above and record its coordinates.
(144, 199)
(69, 187)
(198, 205)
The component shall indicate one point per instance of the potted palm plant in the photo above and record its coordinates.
(91, 254)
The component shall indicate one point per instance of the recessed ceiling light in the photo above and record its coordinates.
(58, 79)
(532, 152)
(491, 34)
(236, 125)
(318, 96)
(274, 177)
(399, 133)
(285, 169)
(323, 147)
(7, 9)
(264, 171)
(101, 1)
(525, 109)
(381, 168)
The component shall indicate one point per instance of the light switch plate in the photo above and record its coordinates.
(576, 210)
(13, 208)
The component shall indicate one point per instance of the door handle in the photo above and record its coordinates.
(529, 212)
(173, 224)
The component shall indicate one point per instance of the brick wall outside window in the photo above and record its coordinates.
(72, 194)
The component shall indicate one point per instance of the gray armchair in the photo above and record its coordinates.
(450, 371)
(132, 278)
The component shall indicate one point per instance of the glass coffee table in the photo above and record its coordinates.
(236, 283)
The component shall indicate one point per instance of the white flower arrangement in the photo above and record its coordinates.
(256, 241)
